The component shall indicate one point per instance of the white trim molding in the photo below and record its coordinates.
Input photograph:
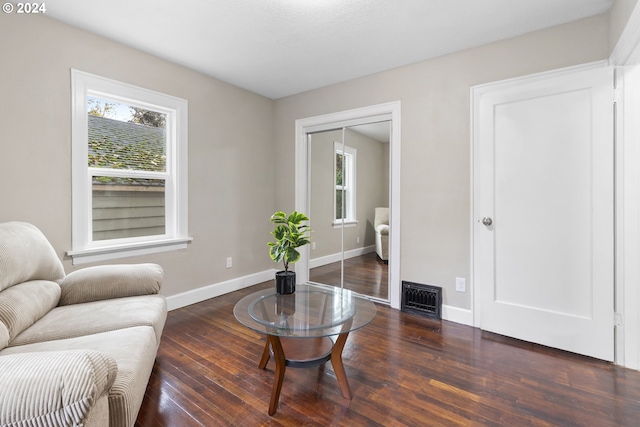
(337, 257)
(457, 315)
(627, 219)
(216, 289)
(626, 56)
(125, 251)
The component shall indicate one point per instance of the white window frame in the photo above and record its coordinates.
(348, 184)
(84, 248)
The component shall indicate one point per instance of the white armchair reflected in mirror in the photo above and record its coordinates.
(381, 226)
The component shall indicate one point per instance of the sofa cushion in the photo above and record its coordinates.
(75, 320)
(54, 388)
(26, 254)
(110, 281)
(133, 349)
(22, 305)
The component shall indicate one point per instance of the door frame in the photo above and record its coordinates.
(387, 111)
(626, 56)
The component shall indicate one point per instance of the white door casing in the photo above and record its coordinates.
(543, 172)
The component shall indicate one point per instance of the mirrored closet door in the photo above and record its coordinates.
(349, 194)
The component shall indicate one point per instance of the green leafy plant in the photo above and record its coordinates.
(290, 233)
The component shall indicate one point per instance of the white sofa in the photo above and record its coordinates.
(381, 227)
(76, 349)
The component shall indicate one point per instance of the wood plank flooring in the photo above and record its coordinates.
(404, 370)
(365, 274)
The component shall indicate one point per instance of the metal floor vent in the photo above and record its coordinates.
(425, 300)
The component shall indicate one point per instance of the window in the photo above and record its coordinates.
(129, 170)
(345, 184)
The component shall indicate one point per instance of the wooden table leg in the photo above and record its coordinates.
(281, 365)
(338, 367)
(265, 355)
(273, 343)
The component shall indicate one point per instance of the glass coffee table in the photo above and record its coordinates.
(299, 327)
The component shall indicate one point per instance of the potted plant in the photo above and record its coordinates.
(290, 233)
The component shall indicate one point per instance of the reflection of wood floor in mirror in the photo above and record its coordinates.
(366, 274)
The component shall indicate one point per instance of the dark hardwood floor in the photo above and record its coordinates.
(404, 370)
(366, 274)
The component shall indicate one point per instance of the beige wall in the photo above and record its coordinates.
(231, 156)
(435, 159)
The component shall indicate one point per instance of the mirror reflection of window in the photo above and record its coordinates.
(345, 183)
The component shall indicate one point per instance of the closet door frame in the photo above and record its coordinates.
(375, 113)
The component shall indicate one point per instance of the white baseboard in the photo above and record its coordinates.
(453, 314)
(458, 315)
(215, 290)
(328, 259)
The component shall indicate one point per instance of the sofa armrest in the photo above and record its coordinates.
(53, 387)
(110, 281)
(383, 229)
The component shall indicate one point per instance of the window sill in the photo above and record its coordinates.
(86, 256)
(347, 224)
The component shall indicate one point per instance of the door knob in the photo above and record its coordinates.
(487, 221)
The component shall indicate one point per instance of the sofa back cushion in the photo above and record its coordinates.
(26, 254)
(102, 282)
(22, 305)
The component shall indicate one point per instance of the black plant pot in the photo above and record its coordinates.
(285, 282)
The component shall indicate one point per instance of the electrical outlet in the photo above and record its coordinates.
(313, 246)
(358, 239)
(229, 262)
(461, 284)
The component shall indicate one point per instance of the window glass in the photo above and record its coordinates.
(121, 137)
(127, 209)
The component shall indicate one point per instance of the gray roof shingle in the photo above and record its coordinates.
(115, 144)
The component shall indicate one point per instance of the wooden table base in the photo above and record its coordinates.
(313, 352)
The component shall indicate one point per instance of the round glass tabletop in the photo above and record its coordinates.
(311, 311)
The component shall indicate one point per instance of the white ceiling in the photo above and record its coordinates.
(282, 47)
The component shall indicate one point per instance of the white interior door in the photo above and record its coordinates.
(543, 183)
